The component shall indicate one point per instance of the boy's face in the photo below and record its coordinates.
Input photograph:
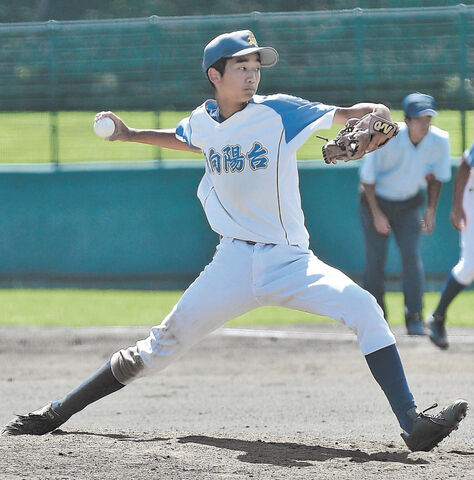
(419, 126)
(240, 79)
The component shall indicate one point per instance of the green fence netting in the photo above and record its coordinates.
(154, 64)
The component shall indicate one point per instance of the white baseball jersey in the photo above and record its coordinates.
(399, 168)
(250, 189)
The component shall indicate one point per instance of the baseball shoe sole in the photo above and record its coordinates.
(429, 430)
(39, 422)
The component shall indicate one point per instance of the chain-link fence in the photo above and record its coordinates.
(154, 65)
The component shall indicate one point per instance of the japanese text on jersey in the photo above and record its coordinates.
(231, 159)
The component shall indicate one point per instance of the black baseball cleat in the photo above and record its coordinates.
(414, 324)
(437, 331)
(429, 430)
(39, 422)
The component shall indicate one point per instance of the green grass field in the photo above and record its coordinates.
(80, 308)
(25, 137)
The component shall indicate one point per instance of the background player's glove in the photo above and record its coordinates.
(359, 137)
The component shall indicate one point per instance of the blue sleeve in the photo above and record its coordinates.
(296, 113)
(184, 131)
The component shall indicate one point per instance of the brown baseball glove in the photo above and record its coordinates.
(358, 137)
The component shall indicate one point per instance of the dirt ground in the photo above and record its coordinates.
(240, 405)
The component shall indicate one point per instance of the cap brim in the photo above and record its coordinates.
(428, 111)
(268, 55)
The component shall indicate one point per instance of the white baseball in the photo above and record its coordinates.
(104, 127)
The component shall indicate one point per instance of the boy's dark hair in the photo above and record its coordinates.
(219, 66)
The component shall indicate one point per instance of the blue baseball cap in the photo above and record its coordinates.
(236, 44)
(418, 104)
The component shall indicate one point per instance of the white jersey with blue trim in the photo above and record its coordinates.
(250, 189)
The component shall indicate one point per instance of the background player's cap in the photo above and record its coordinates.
(418, 104)
(236, 44)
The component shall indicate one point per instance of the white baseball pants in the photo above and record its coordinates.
(242, 277)
(463, 272)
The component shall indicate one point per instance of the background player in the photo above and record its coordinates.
(391, 180)
(251, 199)
(462, 219)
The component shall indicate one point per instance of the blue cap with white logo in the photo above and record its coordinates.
(236, 44)
(419, 104)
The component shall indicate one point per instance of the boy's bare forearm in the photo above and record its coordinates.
(369, 192)
(359, 110)
(460, 180)
(433, 192)
(163, 138)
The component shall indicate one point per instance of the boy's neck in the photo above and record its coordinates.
(228, 108)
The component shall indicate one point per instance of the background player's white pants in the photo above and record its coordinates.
(242, 277)
(463, 272)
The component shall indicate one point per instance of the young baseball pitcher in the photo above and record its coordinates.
(251, 198)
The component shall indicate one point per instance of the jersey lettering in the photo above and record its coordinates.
(233, 158)
(257, 156)
(214, 161)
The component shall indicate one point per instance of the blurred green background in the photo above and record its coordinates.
(62, 72)
(76, 141)
(81, 308)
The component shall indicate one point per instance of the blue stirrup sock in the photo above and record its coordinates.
(450, 289)
(387, 369)
(385, 365)
(100, 384)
